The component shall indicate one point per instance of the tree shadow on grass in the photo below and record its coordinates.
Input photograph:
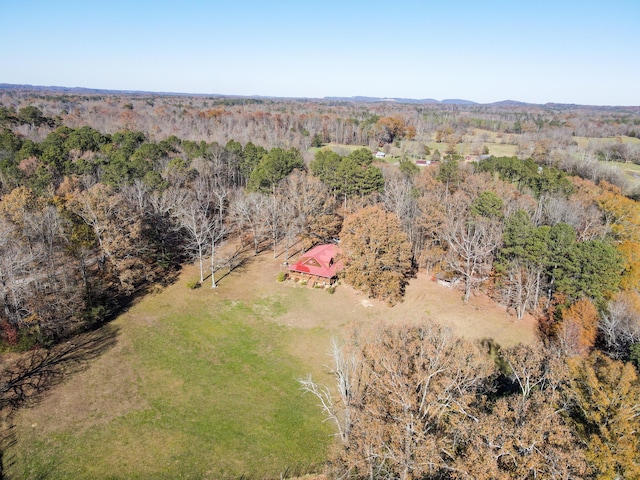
(23, 381)
(235, 261)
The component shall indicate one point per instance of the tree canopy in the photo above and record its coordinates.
(377, 253)
(273, 167)
(348, 176)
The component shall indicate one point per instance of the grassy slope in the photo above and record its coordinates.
(209, 392)
(630, 169)
(201, 383)
(584, 142)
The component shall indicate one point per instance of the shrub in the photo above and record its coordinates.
(635, 354)
(282, 276)
(192, 285)
(331, 289)
(28, 340)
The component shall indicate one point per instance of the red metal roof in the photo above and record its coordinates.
(319, 261)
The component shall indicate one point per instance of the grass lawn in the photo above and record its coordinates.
(584, 142)
(202, 383)
(197, 386)
(340, 148)
(630, 169)
(502, 149)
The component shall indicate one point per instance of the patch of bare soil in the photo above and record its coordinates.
(481, 318)
(325, 315)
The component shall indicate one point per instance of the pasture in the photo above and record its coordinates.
(202, 383)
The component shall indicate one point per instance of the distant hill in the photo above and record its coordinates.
(510, 103)
(358, 99)
(99, 91)
(381, 99)
(422, 101)
(94, 91)
(457, 101)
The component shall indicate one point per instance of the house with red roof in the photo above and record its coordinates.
(318, 266)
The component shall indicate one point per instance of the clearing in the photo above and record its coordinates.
(202, 383)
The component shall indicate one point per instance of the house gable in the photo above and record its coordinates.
(320, 261)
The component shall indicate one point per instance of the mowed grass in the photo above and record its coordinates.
(631, 170)
(495, 148)
(202, 384)
(198, 386)
(584, 142)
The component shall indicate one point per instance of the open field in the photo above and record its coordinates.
(412, 148)
(584, 142)
(630, 169)
(493, 143)
(202, 383)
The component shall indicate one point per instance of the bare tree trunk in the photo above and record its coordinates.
(213, 267)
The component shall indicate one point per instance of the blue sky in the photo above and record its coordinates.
(541, 51)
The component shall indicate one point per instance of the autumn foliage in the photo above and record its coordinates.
(377, 253)
(422, 403)
(578, 329)
(606, 396)
(88, 219)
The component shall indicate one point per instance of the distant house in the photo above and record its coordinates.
(318, 266)
(380, 154)
(426, 163)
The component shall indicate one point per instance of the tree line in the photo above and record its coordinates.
(89, 219)
(122, 208)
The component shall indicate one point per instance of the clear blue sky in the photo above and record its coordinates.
(540, 51)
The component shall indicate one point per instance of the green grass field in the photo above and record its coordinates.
(202, 384)
(583, 142)
(196, 387)
(630, 169)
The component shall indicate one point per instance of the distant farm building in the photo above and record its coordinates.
(426, 163)
(380, 154)
(318, 266)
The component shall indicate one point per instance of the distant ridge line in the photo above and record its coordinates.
(356, 99)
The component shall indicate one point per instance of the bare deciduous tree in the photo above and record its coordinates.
(201, 215)
(16, 260)
(249, 211)
(309, 210)
(587, 220)
(471, 243)
(118, 230)
(403, 396)
(345, 370)
(526, 434)
(619, 326)
(400, 197)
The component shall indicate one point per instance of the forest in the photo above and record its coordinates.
(534, 206)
